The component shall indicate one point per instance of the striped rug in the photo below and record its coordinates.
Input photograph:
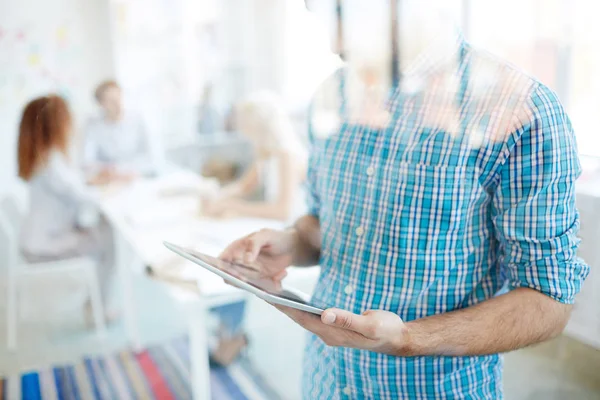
(160, 372)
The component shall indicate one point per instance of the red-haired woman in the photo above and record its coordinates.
(60, 223)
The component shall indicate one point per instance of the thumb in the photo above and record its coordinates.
(346, 320)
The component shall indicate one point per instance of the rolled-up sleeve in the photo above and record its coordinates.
(534, 212)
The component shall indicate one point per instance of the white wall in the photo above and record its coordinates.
(156, 45)
(60, 46)
(252, 33)
(306, 58)
(69, 46)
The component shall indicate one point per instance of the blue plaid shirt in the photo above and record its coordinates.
(467, 190)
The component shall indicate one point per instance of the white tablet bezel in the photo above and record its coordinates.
(268, 297)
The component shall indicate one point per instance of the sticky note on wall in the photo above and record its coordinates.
(34, 60)
(61, 35)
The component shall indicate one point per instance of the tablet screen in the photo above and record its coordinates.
(250, 276)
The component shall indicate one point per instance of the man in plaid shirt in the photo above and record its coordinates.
(442, 213)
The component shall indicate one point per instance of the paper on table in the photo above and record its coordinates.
(158, 212)
(179, 269)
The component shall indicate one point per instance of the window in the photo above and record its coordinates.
(307, 52)
(556, 41)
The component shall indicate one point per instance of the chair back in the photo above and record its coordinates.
(10, 231)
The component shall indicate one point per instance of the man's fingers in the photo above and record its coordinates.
(229, 254)
(280, 276)
(353, 322)
(253, 245)
(237, 251)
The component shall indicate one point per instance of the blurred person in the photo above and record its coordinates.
(441, 211)
(116, 144)
(62, 221)
(278, 170)
(279, 167)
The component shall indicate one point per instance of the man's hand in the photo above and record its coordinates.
(269, 251)
(110, 175)
(378, 331)
(102, 177)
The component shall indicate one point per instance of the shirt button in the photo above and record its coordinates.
(347, 391)
(360, 231)
(370, 171)
(348, 289)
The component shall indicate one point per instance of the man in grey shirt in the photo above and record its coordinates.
(117, 143)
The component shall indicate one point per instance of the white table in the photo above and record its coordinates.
(167, 208)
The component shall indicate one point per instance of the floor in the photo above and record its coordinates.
(64, 337)
(561, 369)
(557, 370)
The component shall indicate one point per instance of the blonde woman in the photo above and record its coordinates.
(278, 169)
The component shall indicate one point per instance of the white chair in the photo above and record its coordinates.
(18, 270)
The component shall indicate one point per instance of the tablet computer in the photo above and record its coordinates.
(249, 279)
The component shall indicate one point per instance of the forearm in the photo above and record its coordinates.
(234, 190)
(512, 321)
(241, 187)
(143, 164)
(261, 210)
(307, 236)
(92, 169)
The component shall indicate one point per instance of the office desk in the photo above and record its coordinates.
(167, 208)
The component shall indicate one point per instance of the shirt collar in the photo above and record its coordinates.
(443, 53)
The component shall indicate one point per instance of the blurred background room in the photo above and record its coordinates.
(188, 121)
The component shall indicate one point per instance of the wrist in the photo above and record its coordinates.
(410, 344)
(303, 252)
(294, 241)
